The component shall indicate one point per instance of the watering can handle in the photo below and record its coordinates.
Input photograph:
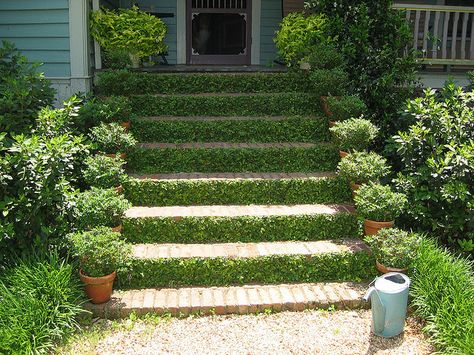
(379, 322)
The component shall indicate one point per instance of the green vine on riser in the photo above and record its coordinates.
(174, 272)
(241, 229)
(236, 192)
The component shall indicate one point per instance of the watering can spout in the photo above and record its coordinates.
(368, 293)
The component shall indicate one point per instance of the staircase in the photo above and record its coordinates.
(236, 205)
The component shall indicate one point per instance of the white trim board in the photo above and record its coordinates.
(181, 31)
(256, 23)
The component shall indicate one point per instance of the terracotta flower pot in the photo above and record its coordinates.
(119, 189)
(125, 125)
(354, 188)
(98, 289)
(325, 106)
(117, 229)
(385, 269)
(343, 154)
(372, 227)
(121, 155)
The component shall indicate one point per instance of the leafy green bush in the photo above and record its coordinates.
(99, 207)
(437, 165)
(107, 110)
(327, 82)
(116, 59)
(103, 172)
(298, 33)
(54, 122)
(363, 167)
(394, 247)
(355, 134)
(112, 138)
(100, 251)
(23, 91)
(379, 203)
(443, 294)
(325, 56)
(39, 305)
(129, 30)
(346, 107)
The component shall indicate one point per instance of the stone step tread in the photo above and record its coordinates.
(234, 176)
(236, 210)
(226, 145)
(232, 300)
(229, 94)
(223, 118)
(246, 250)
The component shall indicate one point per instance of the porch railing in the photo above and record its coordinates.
(442, 34)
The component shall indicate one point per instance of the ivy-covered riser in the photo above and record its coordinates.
(130, 83)
(274, 104)
(237, 192)
(322, 157)
(174, 272)
(188, 230)
(292, 129)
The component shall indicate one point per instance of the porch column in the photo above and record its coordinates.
(180, 31)
(256, 23)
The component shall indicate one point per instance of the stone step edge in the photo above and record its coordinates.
(229, 145)
(248, 250)
(236, 210)
(225, 118)
(229, 94)
(232, 300)
(234, 176)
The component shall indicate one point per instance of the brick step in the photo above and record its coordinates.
(223, 264)
(239, 223)
(210, 157)
(232, 300)
(233, 129)
(234, 176)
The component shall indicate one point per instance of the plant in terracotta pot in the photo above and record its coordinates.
(101, 252)
(362, 167)
(354, 134)
(100, 207)
(104, 172)
(112, 139)
(379, 206)
(393, 249)
(107, 110)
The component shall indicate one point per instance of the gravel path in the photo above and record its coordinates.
(315, 332)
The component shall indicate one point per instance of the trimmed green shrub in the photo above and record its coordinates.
(443, 294)
(235, 105)
(437, 166)
(363, 167)
(112, 138)
(129, 83)
(39, 305)
(116, 59)
(236, 192)
(106, 110)
(100, 251)
(322, 157)
(355, 134)
(99, 207)
(298, 34)
(23, 91)
(267, 270)
(326, 82)
(379, 203)
(292, 129)
(240, 229)
(346, 107)
(325, 56)
(393, 247)
(55, 122)
(103, 172)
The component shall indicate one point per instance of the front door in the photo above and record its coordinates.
(218, 31)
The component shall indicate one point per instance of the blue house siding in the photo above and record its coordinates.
(271, 15)
(40, 30)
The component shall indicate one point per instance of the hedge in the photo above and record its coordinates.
(236, 192)
(241, 229)
(293, 129)
(174, 272)
(129, 83)
(226, 105)
(322, 157)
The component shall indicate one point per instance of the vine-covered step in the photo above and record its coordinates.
(273, 104)
(129, 83)
(168, 265)
(238, 223)
(151, 158)
(236, 189)
(231, 129)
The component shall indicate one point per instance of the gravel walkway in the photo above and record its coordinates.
(315, 332)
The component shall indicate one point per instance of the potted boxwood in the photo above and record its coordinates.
(104, 172)
(354, 134)
(379, 206)
(101, 253)
(362, 167)
(394, 249)
(112, 139)
(108, 110)
(100, 207)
